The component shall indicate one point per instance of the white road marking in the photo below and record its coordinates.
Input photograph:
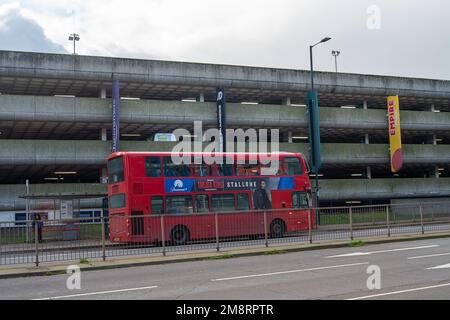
(290, 271)
(97, 293)
(355, 254)
(430, 256)
(444, 266)
(399, 292)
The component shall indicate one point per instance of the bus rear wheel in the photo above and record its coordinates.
(277, 228)
(179, 235)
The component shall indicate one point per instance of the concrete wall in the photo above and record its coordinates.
(383, 188)
(60, 152)
(42, 65)
(36, 108)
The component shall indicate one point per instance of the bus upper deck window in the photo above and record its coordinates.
(248, 170)
(222, 170)
(199, 167)
(153, 167)
(175, 170)
(293, 166)
(115, 170)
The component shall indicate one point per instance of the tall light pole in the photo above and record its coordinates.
(74, 37)
(311, 58)
(314, 125)
(335, 55)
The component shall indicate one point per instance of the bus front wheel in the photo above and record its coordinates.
(179, 235)
(277, 228)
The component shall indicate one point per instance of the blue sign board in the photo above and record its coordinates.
(222, 118)
(179, 185)
(314, 131)
(115, 116)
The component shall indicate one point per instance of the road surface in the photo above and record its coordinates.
(409, 270)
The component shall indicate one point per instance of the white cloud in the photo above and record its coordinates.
(273, 33)
(19, 33)
(5, 10)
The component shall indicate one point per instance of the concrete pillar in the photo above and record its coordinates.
(290, 140)
(286, 101)
(369, 172)
(432, 108)
(435, 172)
(103, 135)
(104, 176)
(365, 105)
(102, 93)
(201, 97)
(366, 139)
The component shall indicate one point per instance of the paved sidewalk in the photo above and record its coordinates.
(48, 269)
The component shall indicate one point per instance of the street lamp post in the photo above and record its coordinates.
(74, 37)
(335, 55)
(311, 58)
(316, 169)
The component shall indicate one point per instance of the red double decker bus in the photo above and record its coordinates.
(194, 198)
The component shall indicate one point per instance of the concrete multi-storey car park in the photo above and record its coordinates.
(55, 116)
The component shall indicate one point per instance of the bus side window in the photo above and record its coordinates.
(222, 170)
(173, 170)
(249, 169)
(200, 170)
(179, 205)
(153, 167)
(299, 200)
(222, 202)
(293, 166)
(274, 168)
(201, 203)
(242, 202)
(157, 205)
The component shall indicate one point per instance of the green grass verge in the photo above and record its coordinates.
(275, 252)
(16, 239)
(356, 243)
(90, 231)
(221, 257)
(54, 273)
(86, 232)
(357, 217)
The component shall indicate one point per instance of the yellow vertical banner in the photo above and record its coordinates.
(395, 134)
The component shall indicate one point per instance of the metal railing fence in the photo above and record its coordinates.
(82, 239)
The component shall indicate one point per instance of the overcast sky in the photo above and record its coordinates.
(394, 37)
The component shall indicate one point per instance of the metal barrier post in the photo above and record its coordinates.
(216, 224)
(421, 219)
(388, 221)
(351, 222)
(103, 238)
(36, 242)
(163, 237)
(265, 230)
(1, 237)
(309, 225)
